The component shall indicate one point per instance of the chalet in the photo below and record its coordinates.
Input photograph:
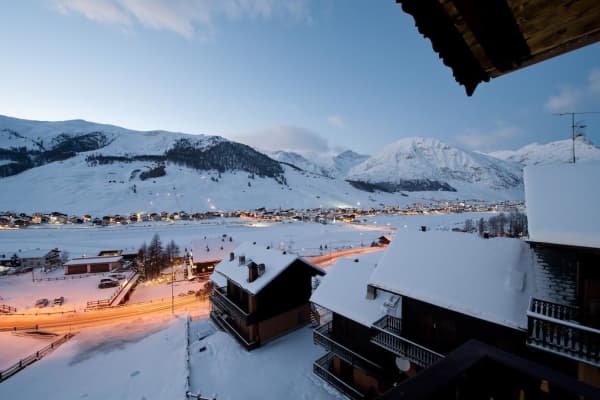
(430, 307)
(266, 294)
(207, 252)
(92, 264)
(564, 231)
(353, 364)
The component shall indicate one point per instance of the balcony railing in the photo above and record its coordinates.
(219, 299)
(554, 328)
(322, 368)
(224, 324)
(323, 337)
(389, 337)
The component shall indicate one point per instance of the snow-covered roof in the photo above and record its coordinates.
(562, 203)
(212, 248)
(219, 279)
(344, 290)
(93, 260)
(490, 279)
(275, 260)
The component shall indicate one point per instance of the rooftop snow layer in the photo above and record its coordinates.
(344, 290)
(490, 279)
(211, 249)
(276, 261)
(93, 260)
(562, 203)
(219, 279)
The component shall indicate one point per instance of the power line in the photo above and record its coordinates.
(575, 125)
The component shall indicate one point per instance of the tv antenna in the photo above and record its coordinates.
(575, 125)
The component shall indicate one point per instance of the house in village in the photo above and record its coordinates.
(261, 293)
(207, 252)
(88, 265)
(476, 317)
(25, 260)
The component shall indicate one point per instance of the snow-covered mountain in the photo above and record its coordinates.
(333, 167)
(417, 164)
(83, 167)
(560, 151)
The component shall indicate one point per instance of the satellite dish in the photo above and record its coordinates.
(403, 364)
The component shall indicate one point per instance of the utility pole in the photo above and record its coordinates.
(172, 283)
(575, 125)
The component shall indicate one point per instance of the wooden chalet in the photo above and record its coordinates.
(564, 231)
(207, 252)
(394, 321)
(86, 265)
(265, 295)
(481, 40)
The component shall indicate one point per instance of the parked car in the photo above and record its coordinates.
(41, 303)
(59, 301)
(108, 284)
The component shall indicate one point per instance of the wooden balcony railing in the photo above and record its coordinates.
(322, 368)
(224, 324)
(323, 337)
(389, 337)
(553, 328)
(219, 299)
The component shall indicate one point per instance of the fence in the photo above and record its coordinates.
(107, 302)
(10, 371)
(7, 309)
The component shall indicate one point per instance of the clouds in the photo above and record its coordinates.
(487, 141)
(570, 98)
(188, 18)
(288, 138)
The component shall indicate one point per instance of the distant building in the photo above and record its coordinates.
(208, 252)
(266, 293)
(92, 264)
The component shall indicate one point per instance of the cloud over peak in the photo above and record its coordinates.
(184, 17)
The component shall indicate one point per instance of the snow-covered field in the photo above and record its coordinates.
(281, 369)
(150, 291)
(142, 359)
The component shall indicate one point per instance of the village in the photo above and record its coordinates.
(363, 310)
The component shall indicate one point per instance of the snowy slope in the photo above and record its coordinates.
(82, 167)
(415, 163)
(336, 166)
(560, 151)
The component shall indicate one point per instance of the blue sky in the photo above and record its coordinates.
(321, 75)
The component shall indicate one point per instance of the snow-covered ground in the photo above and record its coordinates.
(150, 291)
(280, 369)
(21, 292)
(15, 348)
(141, 359)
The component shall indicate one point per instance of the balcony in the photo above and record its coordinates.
(220, 300)
(322, 368)
(389, 337)
(222, 321)
(323, 337)
(555, 328)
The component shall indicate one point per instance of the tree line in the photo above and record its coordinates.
(154, 256)
(512, 225)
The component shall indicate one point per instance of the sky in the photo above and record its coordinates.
(303, 75)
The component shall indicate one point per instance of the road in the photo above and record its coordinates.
(86, 319)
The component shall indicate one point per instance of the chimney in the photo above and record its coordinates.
(242, 260)
(231, 256)
(261, 269)
(252, 271)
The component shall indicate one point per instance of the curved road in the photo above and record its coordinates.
(86, 319)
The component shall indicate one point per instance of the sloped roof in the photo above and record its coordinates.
(490, 279)
(93, 260)
(480, 40)
(276, 261)
(562, 204)
(212, 248)
(344, 290)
